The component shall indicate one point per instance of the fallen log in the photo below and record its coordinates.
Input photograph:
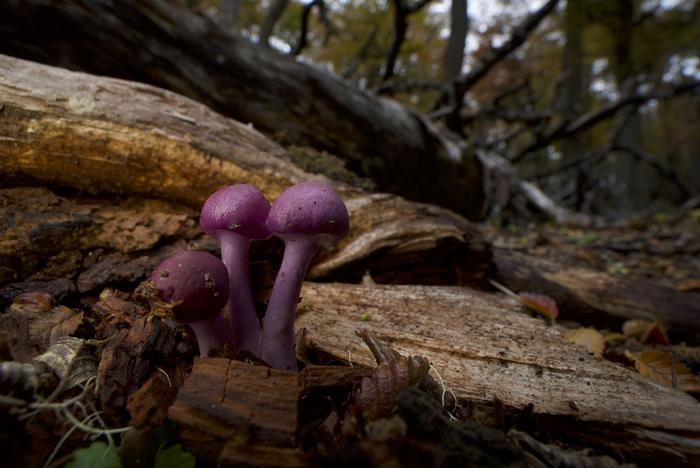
(593, 297)
(165, 44)
(485, 351)
(101, 136)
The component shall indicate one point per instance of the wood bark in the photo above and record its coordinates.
(454, 51)
(484, 350)
(229, 401)
(598, 298)
(107, 136)
(237, 414)
(274, 13)
(165, 44)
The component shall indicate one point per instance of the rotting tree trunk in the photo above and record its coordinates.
(484, 350)
(593, 297)
(107, 136)
(165, 44)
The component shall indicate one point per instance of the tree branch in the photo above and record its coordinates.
(663, 168)
(493, 57)
(401, 15)
(589, 119)
(301, 44)
(395, 87)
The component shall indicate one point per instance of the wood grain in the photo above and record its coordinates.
(485, 350)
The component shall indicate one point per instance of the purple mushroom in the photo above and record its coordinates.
(236, 215)
(305, 216)
(197, 284)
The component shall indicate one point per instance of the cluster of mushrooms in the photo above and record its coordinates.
(198, 284)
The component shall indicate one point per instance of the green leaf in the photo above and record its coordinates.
(97, 455)
(174, 457)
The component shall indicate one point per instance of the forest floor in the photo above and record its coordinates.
(663, 248)
(131, 367)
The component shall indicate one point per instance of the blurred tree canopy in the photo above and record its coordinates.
(641, 57)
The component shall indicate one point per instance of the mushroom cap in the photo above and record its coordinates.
(309, 208)
(239, 208)
(198, 281)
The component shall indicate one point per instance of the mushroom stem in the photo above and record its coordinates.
(210, 333)
(245, 325)
(278, 323)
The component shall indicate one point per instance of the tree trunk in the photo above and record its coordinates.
(573, 91)
(635, 179)
(163, 43)
(271, 19)
(484, 350)
(454, 52)
(106, 136)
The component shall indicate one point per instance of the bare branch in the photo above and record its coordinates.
(589, 119)
(395, 87)
(664, 169)
(403, 11)
(495, 55)
(323, 16)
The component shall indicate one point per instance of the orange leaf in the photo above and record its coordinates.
(635, 328)
(655, 334)
(646, 331)
(589, 338)
(540, 303)
(664, 368)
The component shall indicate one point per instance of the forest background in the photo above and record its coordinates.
(597, 105)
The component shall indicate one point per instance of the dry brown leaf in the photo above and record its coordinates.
(635, 328)
(589, 338)
(655, 334)
(45, 329)
(664, 368)
(613, 338)
(646, 331)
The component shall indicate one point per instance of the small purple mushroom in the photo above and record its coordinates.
(304, 216)
(197, 284)
(236, 215)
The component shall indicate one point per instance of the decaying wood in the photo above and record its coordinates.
(131, 361)
(46, 236)
(230, 402)
(303, 104)
(484, 350)
(599, 298)
(238, 414)
(107, 136)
